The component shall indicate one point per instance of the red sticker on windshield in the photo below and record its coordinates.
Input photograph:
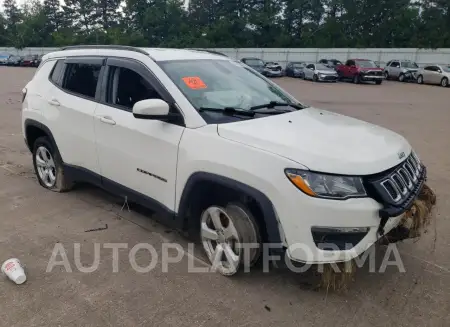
(194, 82)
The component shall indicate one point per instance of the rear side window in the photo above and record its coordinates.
(81, 78)
(55, 75)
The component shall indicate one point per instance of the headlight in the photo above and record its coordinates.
(326, 186)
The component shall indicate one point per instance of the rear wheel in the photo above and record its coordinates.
(48, 166)
(444, 82)
(225, 232)
(420, 79)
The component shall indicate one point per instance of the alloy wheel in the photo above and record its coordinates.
(45, 166)
(222, 240)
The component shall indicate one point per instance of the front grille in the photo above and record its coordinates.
(330, 78)
(374, 73)
(396, 186)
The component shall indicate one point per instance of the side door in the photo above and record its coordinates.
(394, 69)
(349, 66)
(137, 157)
(309, 71)
(437, 75)
(430, 74)
(288, 69)
(71, 107)
(426, 73)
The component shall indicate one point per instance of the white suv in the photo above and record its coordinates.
(217, 148)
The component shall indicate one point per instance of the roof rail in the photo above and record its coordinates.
(210, 51)
(111, 47)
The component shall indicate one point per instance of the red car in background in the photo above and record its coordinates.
(30, 61)
(360, 70)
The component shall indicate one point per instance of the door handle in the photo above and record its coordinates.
(54, 102)
(107, 120)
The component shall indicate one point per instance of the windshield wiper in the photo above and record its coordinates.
(229, 111)
(273, 104)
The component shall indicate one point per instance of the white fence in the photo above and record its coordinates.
(284, 55)
(379, 55)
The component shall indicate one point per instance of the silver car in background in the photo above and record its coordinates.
(402, 70)
(434, 74)
(320, 72)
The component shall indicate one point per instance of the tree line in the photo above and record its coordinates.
(227, 23)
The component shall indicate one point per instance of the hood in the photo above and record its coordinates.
(322, 141)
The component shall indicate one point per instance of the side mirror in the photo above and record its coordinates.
(151, 109)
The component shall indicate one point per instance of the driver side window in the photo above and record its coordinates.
(126, 87)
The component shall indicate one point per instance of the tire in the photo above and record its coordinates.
(49, 167)
(378, 82)
(444, 82)
(420, 79)
(356, 79)
(401, 77)
(230, 227)
(315, 79)
(386, 75)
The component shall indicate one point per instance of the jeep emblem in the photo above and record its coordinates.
(401, 155)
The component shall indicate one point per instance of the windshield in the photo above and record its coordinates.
(254, 62)
(409, 64)
(221, 84)
(299, 65)
(446, 69)
(366, 64)
(322, 67)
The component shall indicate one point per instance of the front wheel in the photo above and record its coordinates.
(226, 234)
(315, 78)
(386, 75)
(444, 82)
(401, 78)
(356, 79)
(420, 79)
(379, 82)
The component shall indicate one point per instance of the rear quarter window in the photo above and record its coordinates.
(56, 73)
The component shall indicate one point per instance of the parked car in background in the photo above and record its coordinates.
(38, 61)
(320, 73)
(331, 63)
(14, 61)
(295, 69)
(272, 69)
(434, 74)
(403, 70)
(29, 60)
(360, 70)
(256, 63)
(4, 58)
